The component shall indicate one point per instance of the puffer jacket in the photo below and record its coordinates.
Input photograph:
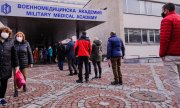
(96, 54)
(170, 35)
(115, 47)
(8, 58)
(24, 54)
(70, 50)
(83, 46)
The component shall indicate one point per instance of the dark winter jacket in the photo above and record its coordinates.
(61, 52)
(115, 47)
(83, 47)
(24, 54)
(170, 35)
(70, 50)
(96, 54)
(8, 58)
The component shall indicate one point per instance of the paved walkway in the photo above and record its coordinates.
(144, 87)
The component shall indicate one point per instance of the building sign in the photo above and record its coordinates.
(49, 11)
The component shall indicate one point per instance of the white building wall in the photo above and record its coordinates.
(114, 20)
(144, 22)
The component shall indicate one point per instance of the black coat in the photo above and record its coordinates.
(8, 58)
(70, 50)
(24, 54)
(61, 52)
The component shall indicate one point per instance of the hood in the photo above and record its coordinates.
(97, 42)
(83, 37)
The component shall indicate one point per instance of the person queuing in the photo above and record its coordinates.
(25, 58)
(36, 55)
(61, 52)
(83, 49)
(50, 54)
(115, 51)
(96, 57)
(71, 57)
(170, 46)
(8, 60)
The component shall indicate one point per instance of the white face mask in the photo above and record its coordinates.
(19, 39)
(4, 35)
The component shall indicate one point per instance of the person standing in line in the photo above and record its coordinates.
(115, 51)
(36, 55)
(170, 46)
(45, 55)
(61, 52)
(83, 49)
(8, 60)
(50, 54)
(71, 57)
(96, 57)
(25, 58)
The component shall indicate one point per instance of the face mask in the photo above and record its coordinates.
(4, 35)
(19, 39)
(163, 14)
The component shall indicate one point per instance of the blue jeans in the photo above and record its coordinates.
(60, 64)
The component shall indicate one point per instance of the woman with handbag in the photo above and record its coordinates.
(25, 58)
(8, 59)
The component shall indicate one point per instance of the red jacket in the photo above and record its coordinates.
(83, 47)
(170, 35)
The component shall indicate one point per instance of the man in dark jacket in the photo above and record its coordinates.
(115, 51)
(71, 57)
(8, 59)
(61, 52)
(83, 50)
(170, 46)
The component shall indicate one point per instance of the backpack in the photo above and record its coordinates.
(99, 50)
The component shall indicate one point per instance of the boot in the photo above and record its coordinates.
(114, 83)
(16, 93)
(120, 81)
(24, 88)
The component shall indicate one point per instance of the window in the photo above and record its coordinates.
(141, 36)
(151, 36)
(157, 8)
(178, 9)
(133, 6)
(134, 36)
(126, 36)
(148, 8)
(144, 36)
(157, 36)
(143, 7)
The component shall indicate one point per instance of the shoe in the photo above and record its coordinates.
(87, 80)
(3, 102)
(120, 83)
(24, 88)
(75, 73)
(114, 83)
(95, 77)
(70, 74)
(16, 94)
(100, 76)
(79, 81)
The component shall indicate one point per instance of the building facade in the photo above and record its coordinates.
(137, 22)
(48, 21)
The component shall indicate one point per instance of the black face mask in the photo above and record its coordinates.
(163, 14)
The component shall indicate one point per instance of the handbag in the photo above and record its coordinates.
(19, 79)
